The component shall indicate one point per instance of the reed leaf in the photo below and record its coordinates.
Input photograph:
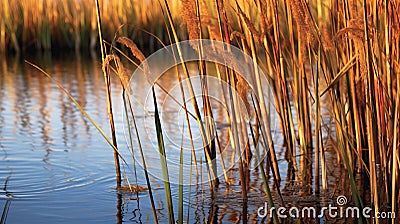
(264, 177)
(163, 160)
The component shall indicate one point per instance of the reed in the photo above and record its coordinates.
(163, 162)
(130, 116)
(341, 55)
(209, 149)
(106, 75)
(180, 188)
(315, 53)
(29, 25)
(79, 106)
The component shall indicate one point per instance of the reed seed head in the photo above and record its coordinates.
(191, 19)
(121, 72)
(132, 46)
(304, 20)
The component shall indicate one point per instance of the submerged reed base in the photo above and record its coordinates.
(131, 189)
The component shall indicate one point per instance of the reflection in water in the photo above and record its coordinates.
(44, 119)
(49, 146)
(8, 196)
(119, 208)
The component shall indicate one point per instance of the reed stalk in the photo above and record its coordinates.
(163, 161)
(263, 174)
(338, 55)
(3, 45)
(395, 155)
(180, 182)
(82, 110)
(146, 174)
(318, 149)
(208, 150)
(125, 82)
(264, 114)
(372, 125)
(235, 119)
(108, 95)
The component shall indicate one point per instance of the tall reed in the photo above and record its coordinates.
(342, 56)
(108, 94)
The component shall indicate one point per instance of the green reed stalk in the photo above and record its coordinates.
(146, 174)
(221, 158)
(265, 179)
(343, 150)
(190, 187)
(263, 174)
(163, 160)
